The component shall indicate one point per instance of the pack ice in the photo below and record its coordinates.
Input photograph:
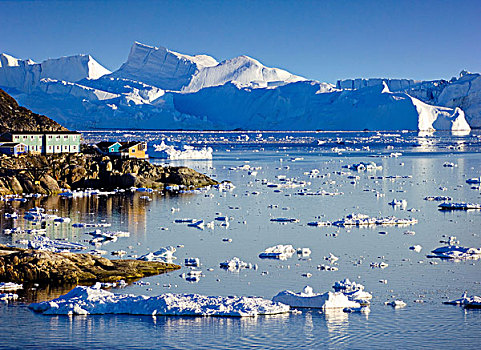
(95, 301)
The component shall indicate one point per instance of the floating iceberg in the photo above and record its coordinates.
(235, 264)
(93, 301)
(365, 220)
(53, 245)
(281, 252)
(459, 206)
(188, 152)
(308, 299)
(473, 302)
(455, 252)
(354, 291)
(396, 303)
(163, 255)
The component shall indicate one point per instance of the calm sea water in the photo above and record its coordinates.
(410, 276)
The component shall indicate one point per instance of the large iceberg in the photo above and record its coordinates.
(157, 88)
(95, 301)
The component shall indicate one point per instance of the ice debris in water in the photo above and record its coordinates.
(283, 220)
(365, 220)
(437, 198)
(474, 180)
(162, 255)
(417, 248)
(10, 286)
(364, 166)
(354, 291)
(87, 300)
(195, 262)
(398, 203)
(308, 299)
(236, 264)
(467, 302)
(396, 303)
(281, 252)
(192, 275)
(459, 206)
(8, 297)
(52, 245)
(454, 252)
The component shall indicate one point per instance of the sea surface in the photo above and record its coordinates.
(413, 166)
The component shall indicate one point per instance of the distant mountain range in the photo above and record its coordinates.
(157, 88)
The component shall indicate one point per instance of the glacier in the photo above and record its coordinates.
(157, 88)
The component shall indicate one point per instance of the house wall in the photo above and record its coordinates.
(138, 151)
(33, 142)
(61, 143)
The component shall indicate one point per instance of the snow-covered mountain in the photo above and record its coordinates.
(157, 88)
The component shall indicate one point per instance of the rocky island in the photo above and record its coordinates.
(27, 265)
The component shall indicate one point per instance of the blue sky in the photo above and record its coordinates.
(322, 40)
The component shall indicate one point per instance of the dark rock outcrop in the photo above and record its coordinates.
(25, 265)
(16, 118)
(48, 174)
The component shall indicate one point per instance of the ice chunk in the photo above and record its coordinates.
(10, 286)
(396, 303)
(308, 299)
(86, 300)
(459, 206)
(281, 252)
(454, 252)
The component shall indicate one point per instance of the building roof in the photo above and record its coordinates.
(127, 145)
(11, 144)
(41, 133)
(106, 144)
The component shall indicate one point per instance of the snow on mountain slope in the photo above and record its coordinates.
(160, 67)
(243, 70)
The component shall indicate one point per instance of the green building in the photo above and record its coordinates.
(48, 142)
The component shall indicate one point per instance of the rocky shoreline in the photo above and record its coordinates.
(49, 174)
(27, 265)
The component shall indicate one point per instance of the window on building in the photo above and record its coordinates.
(49, 136)
(65, 137)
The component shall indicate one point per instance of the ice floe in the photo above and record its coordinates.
(365, 220)
(459, 206)
(280, 251)
(236, 264)
(466, 301)
(308, 299)
(53, 245)
(87, 300)
(163, 255)
(354, 291)
(396, 303)
(454, 252)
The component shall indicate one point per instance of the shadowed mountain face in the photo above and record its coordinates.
(16, 118)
